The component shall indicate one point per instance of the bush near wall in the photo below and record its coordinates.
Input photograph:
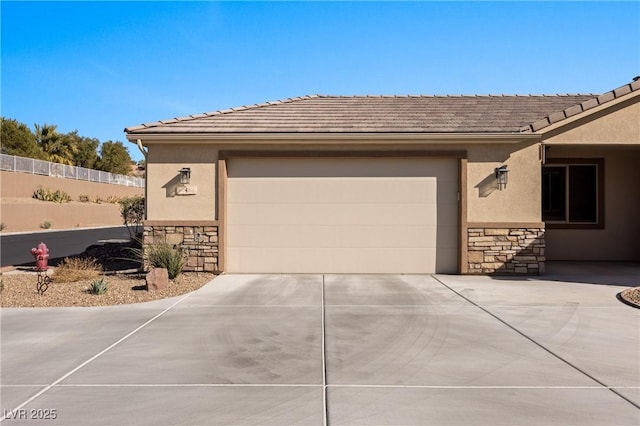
(46, 194)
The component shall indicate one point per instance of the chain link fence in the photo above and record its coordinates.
(46, 168)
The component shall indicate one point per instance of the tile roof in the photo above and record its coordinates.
(388, 114)
(583, 106)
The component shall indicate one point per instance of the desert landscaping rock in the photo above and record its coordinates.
(632, 296)
(19, 290)
(157, 279)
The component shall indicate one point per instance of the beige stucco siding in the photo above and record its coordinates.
(515, 205)
(619, 125)
(520, 200)
(20, 212)
(619, 238)
(613, 134)
(22, 185)
(164, 162)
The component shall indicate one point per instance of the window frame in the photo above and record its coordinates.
(600, 218)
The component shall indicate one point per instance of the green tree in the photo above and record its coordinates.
(114, 158)
(132, 212)
(17, 139)
(86, 152)
(57, 147)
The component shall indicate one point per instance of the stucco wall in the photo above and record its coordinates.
(22, 185)
(516, 206)
(520, 200)
(619, 125)
(163, 176)
(20, 212)
(620, 239)
(27, 215)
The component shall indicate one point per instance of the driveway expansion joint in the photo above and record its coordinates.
(541, 346)
(93, 358)
(325, 413)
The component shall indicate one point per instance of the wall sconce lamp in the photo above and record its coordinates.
(185, 175)
(502, 177)
(185, 187)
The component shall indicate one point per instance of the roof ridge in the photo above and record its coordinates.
(597, 100)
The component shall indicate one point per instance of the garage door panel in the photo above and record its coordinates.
(338, 167)
(345, 260)
(332, 214)
(381, 215)
(287, 236)
(333, 190)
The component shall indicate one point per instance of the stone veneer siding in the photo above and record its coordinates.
(505, 250)
(200, 242)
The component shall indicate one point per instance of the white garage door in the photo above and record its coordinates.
(342, 215)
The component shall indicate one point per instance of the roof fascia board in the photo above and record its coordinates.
(328, 138)
(595, 110)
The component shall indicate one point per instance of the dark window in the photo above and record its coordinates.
(554, 193)
(571, 193)
(583, 194)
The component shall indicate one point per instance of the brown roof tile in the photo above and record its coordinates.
(591, 103)
(389, 114)
(555, 117)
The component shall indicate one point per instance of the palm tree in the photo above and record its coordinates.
(57, 147)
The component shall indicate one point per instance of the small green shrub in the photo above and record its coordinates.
(112, 199)
(132, 212)
(42, 194)
(98, 286)
(2, 226)
(83, 198)
(73, 269)
(162, 255)
(165, 255)
(47, 224)
(46, 194)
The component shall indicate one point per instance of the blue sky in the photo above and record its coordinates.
(101, 66)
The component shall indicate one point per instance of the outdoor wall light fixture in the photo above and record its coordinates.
(502, 177)
(185, 175)
(185, 187)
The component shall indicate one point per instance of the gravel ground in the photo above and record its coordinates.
(19, 290)
(632, 295)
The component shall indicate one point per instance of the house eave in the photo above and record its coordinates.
(332, 138)
(566, 122)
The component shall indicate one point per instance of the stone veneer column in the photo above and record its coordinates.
(200, 243)
(505, 250)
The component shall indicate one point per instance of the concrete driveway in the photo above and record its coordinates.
(333, 349)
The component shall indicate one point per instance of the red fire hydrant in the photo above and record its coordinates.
(41, 254)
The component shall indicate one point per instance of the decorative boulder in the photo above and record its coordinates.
(157, 279)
